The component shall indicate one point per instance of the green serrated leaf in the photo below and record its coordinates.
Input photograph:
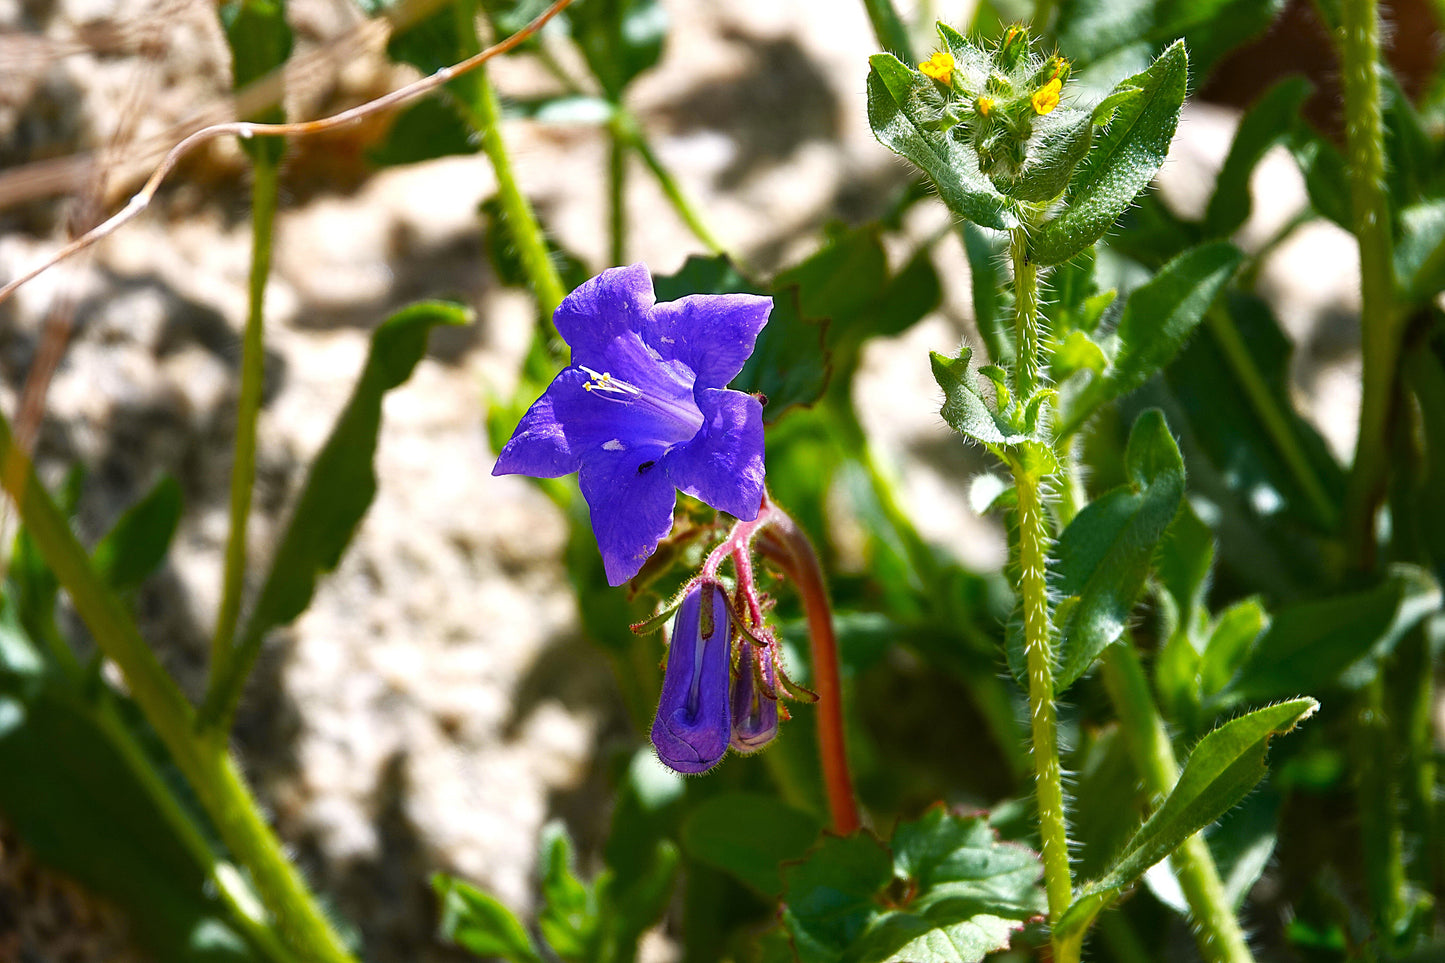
(1122, 162)
(951, 893)
(137, 543)
(1269, 121)
(341, 482)
(479, 923)
(1334, 641)
(1103, 557)
(749, 835)
(1224, 766)
(905, 121)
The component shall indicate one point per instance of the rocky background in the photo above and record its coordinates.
(437, 703)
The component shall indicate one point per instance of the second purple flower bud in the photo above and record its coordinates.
(694, 715)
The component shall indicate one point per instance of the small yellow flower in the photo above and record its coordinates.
(984, 105)
(1046, 98)
(939, 67)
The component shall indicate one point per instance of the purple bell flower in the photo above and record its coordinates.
(694, 719)
(755, 707)
(644, 408)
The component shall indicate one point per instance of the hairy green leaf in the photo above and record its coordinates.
(906, 121)
(1102, 559)
(1122, 162)
(1224, 766)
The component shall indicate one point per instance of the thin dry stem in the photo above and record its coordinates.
(142, 199)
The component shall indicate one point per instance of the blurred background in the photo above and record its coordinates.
(439, 702)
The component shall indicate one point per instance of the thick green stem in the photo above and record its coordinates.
(248, 410)
(206, 764)
(1216, 930)
(1038, 650)
(1026, 316)
(1380, 323)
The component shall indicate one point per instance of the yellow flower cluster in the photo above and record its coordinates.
(939, 67)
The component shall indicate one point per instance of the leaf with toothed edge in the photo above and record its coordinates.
(945, 890)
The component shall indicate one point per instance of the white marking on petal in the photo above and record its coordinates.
(613, 445)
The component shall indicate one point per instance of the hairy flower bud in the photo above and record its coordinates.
(694, 718)
(755, 702)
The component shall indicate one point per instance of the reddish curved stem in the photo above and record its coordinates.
(788, 545)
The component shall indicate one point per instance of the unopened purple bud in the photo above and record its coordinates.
(755, 707)
(694, 719)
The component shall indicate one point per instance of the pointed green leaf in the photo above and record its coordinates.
(1157, 321)
(260, 42)
(1222, 769)
(619, 38)
(1231, 638)
(479, 923)
(1101, 561)
(568, 918)
(828, 899)
(137, 543)
(906, 121)
(341, 482)
(1123, 160)
(1334, 641)
(1060, 141)
(1420, 251)
(1270, 120)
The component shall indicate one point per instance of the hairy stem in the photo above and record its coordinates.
(1380, 323)
(1038, 650)
(1028, 365)
(206, 764)
(1372, 748)
(1216, 930)
(253, 374)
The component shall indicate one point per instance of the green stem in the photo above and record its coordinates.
(1380, 324)
(889, 29)
(1273, 418)
(1038, 650)
(1216, 930)
(253, 375)
(479, 100)
(670, 187)
(206, 764)
(1372, 749)
(1029, 363)
(617, 194)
